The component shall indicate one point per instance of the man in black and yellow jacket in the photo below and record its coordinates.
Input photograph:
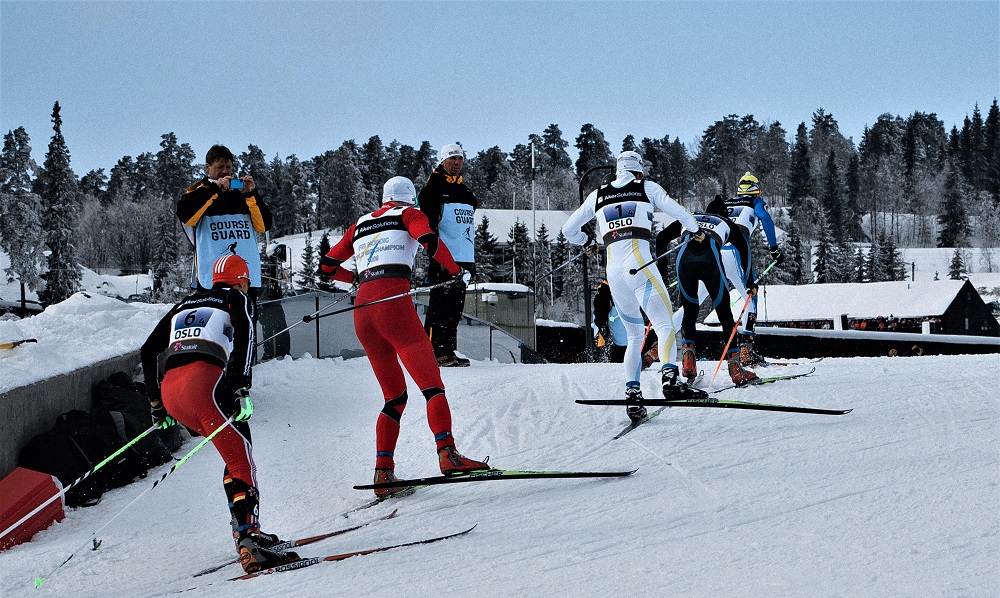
(222, 214)
(450, 207)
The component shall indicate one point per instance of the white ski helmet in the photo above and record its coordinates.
(630, 161)
(399, 189)
(450, 150)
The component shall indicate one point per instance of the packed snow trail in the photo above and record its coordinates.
(896, 498)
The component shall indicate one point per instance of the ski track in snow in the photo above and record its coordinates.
(897, 498)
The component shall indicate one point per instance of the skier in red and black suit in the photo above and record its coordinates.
(196, 365)
(450, 208)
(384, 244)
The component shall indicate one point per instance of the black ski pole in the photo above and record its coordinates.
(310, 318)
(657, 258)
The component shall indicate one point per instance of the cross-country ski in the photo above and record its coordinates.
(494, 475)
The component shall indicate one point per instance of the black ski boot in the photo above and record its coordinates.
(636, 412)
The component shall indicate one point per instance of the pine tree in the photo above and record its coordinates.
(853, 211)
(831, 199)
(486, 252)
(543, 265)
(956, 269)
(174, 172)
(553, 150)
(796, 261)
(323, 282)
(800, 184)
(825, 251)
(560, 253)
(307, 274)
(58, 189)
(20, 226)
(991, 147)
(296, 215)
(594, 149)
(628, 144)
(170, 278)
(892, 266)
(521, 246)
(954, 222)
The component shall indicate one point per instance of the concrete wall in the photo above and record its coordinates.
(30, 410)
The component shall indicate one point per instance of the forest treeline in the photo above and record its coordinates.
(910, 181)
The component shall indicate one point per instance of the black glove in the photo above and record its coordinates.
(242, 406)
(591, 247)
(160, 416)
(777, 256)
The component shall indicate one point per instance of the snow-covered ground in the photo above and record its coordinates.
(897, 498)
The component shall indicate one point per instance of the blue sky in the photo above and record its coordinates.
(301, 77)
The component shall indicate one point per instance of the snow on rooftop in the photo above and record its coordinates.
(777, 303)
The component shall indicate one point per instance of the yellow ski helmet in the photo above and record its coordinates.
(749, 185)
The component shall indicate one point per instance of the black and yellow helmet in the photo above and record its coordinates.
(749, 185)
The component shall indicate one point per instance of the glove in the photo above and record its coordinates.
(698, 237)
(161, 418)
(777, 256)
(463, 276)
(591, 247)
(242, 405)
(752, 289)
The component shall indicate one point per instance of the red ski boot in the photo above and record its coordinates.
(452, 462)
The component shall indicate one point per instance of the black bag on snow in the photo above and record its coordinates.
(119, 393)
(98, 436)
(56, 453)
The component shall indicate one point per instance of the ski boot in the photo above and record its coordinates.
(453, 361)
(452, 462)
(749, 357)
(740, 375)
(255, 557)
(634, 412)
(673, 389)
(689, 367)
(388, 475)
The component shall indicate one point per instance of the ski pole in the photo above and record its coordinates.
(562, 265)
(730, 341)
(310, 318)
(657, 258)
(93, 538)
(78, 480)
(301, 286)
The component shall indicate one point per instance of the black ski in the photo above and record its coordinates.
(308, 562)
(494, 474)
(635, 425)
(766, 380)
(381, 499)
(300, 542)
(718, 403)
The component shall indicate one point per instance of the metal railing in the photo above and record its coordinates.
(498, 330)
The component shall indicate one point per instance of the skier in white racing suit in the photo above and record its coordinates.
(624, 211)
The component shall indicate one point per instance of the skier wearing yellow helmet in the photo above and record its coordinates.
(748, 210)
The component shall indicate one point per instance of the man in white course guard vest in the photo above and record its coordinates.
(624, 211)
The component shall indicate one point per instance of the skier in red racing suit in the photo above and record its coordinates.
(384, 244)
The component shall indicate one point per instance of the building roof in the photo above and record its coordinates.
(782, 303)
